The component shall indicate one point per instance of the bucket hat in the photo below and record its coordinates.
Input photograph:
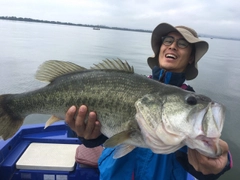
(189, 35)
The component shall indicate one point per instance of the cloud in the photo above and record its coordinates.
(208, 17)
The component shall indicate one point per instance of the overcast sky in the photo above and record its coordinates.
(213, 17)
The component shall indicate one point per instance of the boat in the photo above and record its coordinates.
(96, 28)
(26, 155)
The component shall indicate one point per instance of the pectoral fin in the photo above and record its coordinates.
(51, 120)
(122, 150)
(118, 139)
(125, 142)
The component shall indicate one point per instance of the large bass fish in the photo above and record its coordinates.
(134, 111)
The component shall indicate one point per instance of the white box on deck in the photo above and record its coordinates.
(48, 156)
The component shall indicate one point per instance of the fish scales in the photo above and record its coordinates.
(95, 88)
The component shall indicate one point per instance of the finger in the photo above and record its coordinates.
(80, 121)
(90, 125)
(198, 161)
(69, 117)
(192, 158)
(96, 131)
(224, 146)
(201, 163)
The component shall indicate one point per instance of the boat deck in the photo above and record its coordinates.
(12, 149)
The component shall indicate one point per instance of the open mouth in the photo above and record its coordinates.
(172, 56)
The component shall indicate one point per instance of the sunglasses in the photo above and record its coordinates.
(168, 40)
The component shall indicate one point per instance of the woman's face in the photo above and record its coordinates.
(175, 59)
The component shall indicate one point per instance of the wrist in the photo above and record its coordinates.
(90, 143)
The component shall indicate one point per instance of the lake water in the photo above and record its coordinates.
(24, 46)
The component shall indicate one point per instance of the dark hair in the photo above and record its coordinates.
(193, 51)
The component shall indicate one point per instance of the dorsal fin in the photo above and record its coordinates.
(52, 69)
(115, 65)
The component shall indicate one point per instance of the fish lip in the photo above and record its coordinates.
(216, 111)
(207, 139)
(218, 114)
(211, 143)
(207, 146)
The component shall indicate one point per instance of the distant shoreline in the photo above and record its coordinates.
(13, 18)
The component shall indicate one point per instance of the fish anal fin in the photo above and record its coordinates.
(123, 150)
(51, 120)
(117, 139)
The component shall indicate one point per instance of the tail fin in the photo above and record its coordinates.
(10, 121)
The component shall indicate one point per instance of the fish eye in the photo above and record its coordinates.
(191, 100)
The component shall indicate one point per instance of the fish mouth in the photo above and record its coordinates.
(208, 125)
(211, 146)
(219, 115)
(213, 120)
(208, 121)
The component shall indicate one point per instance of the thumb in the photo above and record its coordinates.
(223, 146)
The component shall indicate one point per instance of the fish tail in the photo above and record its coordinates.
(10, 121)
